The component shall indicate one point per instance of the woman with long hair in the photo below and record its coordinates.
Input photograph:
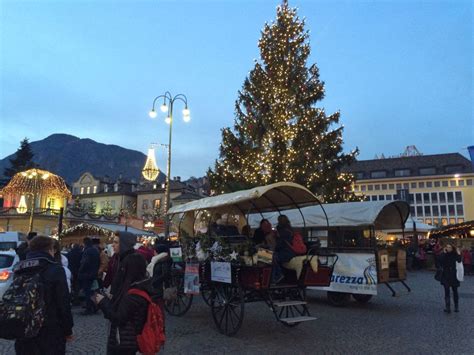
(449, 280)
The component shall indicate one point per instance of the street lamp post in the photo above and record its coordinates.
(167, 107)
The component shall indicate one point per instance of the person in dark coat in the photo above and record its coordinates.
(449, 279)
(88, 270)
(74, 262)
(126, 242)
(58, 323)
(23, 248)
(262, 231)
(127, 313)
(283, 252)
(159, 270)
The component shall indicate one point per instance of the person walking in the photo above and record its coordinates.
(467, 261)
(87, 274)
(63, 261)
(74, 257)
(58, 322)
(449, 280)
(123, 248)
(159, 270)
(126, 312)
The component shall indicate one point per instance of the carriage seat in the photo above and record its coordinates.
(297, 263)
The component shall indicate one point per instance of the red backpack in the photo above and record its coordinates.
(152, 337)
(297, 245)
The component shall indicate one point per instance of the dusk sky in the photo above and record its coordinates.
(400, 72)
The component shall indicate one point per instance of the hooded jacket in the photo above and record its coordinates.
(58, 321)
(127, 241)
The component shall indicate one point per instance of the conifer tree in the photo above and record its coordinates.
(22, 161)
(279, 134)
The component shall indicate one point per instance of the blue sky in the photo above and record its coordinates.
(401, 72)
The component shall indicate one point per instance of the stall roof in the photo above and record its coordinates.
(381, 214)
(420, 227)
(280, 195)
(121, 228)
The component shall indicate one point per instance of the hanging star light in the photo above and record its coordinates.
(150, 171)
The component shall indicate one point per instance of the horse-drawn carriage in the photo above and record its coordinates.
(229, 281)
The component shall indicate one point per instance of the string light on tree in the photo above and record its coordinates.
(278, 133)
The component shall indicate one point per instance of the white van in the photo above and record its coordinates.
(11, 240)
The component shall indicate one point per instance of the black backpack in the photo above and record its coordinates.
(22, 308)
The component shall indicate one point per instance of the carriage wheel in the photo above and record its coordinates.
(182, 302)
(227, 306)
(206, 294)
(362, 298)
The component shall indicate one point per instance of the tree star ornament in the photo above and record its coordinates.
(234, 255)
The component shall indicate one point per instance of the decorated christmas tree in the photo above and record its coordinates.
(279, 134)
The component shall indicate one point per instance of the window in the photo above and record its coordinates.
(154, 186)
(411, 198)
(50, 203)
(82, 190)
(436, 221)
(437, 183)
(427, 210)
(370, 187)
(443, 210)
(459, 210)
(359, 175)
(95, 189)
(426, 198)
(442, 197)
(418, 198)
(427, 171)
(145, 204)
(452, 220)
(384, 186)
(451, 210)
(381, 197)
(75, 190)
(106, 188)
(434, 197)
(435, 210)
(444, 221)
(402, 172)
(469, 182)
(362, 188)
(373, 198)
(461, 183)
(388, 197)
(399, 186)
(429, 184)
(156, 204)
(395, 197)
(378, 174)
(391, 186)
(377, 187)
(356, 187)
(412, 210)
(428, 221)
(402, 195)
(116, 187)
(88, 190)
(460, 220)
(450, 197)
(406, 186)
(452, 183)
(421, 185)
(419, 210)
(452, 169)
(458, 195)
(366, 198)
(413, 185)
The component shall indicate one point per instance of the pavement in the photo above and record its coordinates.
(410, 324)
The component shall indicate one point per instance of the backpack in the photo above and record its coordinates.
(22, 308)
(297, 244)
(152, 337)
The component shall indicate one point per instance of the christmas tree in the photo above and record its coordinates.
(22, 160)
(279, 134)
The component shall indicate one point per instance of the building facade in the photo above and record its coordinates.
(439, 188)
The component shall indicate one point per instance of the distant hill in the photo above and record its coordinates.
(70, 156)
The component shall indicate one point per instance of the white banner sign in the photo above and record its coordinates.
(221, 272)
(354, 273)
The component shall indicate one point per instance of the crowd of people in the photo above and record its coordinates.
(121, 285)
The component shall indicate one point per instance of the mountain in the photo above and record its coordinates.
(69, 157)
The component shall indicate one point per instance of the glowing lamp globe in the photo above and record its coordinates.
(152, 114)
(163, 108)
(168, 120)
